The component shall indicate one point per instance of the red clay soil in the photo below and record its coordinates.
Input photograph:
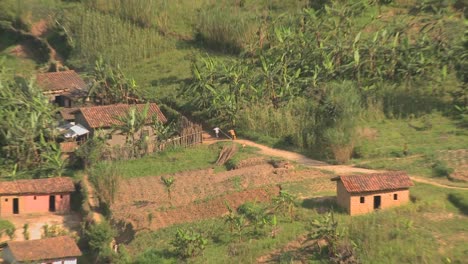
(209, 209)
(138, 197)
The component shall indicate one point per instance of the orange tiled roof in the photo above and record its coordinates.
(38, 186)
(104, 116)
(375, 182)
(64, 80)
(44, 249)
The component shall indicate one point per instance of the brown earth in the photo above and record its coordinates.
(138, 197)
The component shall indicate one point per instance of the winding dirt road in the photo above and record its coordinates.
(303, 160)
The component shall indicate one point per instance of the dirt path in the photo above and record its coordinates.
(296, 157)
(303, 160)
(427, 181)
(92, 200)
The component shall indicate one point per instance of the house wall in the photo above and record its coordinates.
(79, 119)
(38, 205)
(387, 201)
(61, 261)
(6, 205)
(118, 139)
(343, 197)
(62, 202)
(34, 204)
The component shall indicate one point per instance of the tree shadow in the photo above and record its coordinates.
(322, 204)
(459, 201)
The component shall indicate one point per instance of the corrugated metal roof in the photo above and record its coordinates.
(375, 182)
(44, 249)
(38, 186)
(105, 116)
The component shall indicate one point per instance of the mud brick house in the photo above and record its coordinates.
(65, 88)
(360, 194)
(35, 196)
(56, 250)
(104, 118)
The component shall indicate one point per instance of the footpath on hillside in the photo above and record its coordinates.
(303, 160)
(92, 200)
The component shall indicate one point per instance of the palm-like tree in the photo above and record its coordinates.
(168, 185)
(285, 203)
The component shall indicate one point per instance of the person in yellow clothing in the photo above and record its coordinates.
(233, 134)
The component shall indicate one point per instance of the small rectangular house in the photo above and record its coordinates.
(65, 88)
(54, 250)
(105, 117)
(360, 194)
(35, 196)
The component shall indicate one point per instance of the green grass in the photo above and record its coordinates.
(430, 230)
(393, 134)
(199, 157)
(16, 66)
(425, 138)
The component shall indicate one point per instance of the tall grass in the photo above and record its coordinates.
(141, 12)
(225, 29)
(117, 41)
(292, 124)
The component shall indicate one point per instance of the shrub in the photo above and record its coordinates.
(189, 243)
(441, 169)
(99, 237)
(6, 227)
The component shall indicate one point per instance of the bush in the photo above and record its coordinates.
(189, 243)
(6, 227)
(441, 169)
(99, 237)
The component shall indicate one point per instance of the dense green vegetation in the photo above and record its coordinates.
(382, 83)
(412, 233)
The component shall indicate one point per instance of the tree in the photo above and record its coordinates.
(168, 185)
(106, 179)
(255, 214)
(235, 221)
(131, 123)
(285, 203)
(91, 151)
(111, 86)
(55, 164)
(99, 237)
(26, 125)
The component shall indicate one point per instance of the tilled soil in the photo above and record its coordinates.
(197, 194)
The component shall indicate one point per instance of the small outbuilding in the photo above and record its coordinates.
(360, 194)
(65, 88)
(105, 117)
(35, 196)
(54, 250)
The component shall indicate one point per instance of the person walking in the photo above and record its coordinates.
(216, 130)
(233, 134)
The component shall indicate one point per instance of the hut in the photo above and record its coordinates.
(104, 118)
(360, 194)
(60, 250)
(65, 88)
(35, 196)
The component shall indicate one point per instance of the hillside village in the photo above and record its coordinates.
(233, 131)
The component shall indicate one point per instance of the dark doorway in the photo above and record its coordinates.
(52, 203)
(377, 202)
(15, 206)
